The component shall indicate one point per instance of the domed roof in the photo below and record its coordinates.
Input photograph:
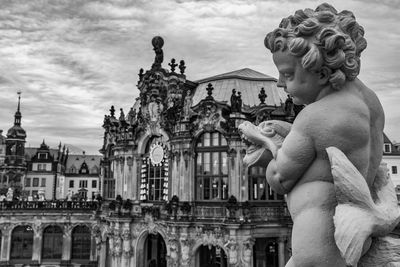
(16, 132)
(247, 81)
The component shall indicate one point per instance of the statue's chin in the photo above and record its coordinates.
(257, 157)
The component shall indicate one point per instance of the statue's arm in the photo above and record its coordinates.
(291, 161)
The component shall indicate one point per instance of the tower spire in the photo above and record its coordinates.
(18, 115)
(19, 100)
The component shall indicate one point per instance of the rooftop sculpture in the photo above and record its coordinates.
(341, 200)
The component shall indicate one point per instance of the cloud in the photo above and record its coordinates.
(74, 59)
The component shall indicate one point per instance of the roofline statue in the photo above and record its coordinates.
(328, 162)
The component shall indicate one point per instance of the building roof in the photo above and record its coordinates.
(247, 81)
(31, 152)
(76, 161)
(393, 148)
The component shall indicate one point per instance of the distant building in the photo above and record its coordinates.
(178, 156)
(45, 168)
(391, 156)
(82, 177)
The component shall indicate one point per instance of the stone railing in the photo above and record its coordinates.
(49, 205)
(274, 211)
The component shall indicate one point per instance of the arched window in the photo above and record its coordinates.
(258, 186)
(154, 172)
(52, 243)
(211, 167)
(81, 242)
(21, 243)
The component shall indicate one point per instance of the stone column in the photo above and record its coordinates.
(136, 178)
(281, 251)
(37, 244)
(102, 254)
(66, 250)
(5, 242)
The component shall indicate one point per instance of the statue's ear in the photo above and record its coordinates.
(324, 75)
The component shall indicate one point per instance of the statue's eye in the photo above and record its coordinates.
(287, 75)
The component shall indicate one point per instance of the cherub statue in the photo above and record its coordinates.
(328, 161)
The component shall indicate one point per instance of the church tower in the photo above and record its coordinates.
(13, 170)
(15, 142)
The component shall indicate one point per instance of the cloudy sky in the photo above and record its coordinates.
(72, 60)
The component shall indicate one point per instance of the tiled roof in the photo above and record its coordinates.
(393, 148)
(247, 81)
(31, 151)
(77, 160)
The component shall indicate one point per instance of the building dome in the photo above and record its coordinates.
(247, 81)
(16, 132)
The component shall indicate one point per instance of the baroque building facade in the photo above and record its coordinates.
(174, 163)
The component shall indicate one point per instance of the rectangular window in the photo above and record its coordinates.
(71, 183)
(43, 182)
(39, 167)
(387, 148)
(27, 182)
(394, 169)
(83, 183)
(35, 182)
(42, 156)
(94, 184)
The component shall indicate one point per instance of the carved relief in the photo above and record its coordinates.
(173, 252)
(233, 248)
(126, 237)
(247, 252)
(209, 117)
(186, 248)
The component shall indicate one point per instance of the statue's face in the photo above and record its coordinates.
(299, 83)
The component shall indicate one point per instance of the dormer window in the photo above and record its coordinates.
(387, 148)
(42, 155)
(84, 169)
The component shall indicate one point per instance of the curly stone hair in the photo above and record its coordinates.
(322, 38)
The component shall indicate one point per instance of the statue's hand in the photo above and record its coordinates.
(264, 140)
(275, 132)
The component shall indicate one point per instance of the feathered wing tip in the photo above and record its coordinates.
(350, 185)
(384, 187)
(353, 220)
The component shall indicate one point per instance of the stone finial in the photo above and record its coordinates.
(141, 74)
(157, 43)
(209, 89)
(172, 65)
(262, 96)
(112, 111)
(182, 66)
(122, 115)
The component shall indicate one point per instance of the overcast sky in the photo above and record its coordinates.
(72, 60)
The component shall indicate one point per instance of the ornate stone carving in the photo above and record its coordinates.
(158, 43)
(209, 117)
(186, 247)
(126, 237)
(182, 67)
(232, 247)
(324, 49)
(172, 65)
(247, 252)
(173, 252)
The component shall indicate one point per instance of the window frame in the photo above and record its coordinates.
(212, 181)
(80, 249)
(394, 170)
(19, 253)
(55, 238)
(258, 173)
